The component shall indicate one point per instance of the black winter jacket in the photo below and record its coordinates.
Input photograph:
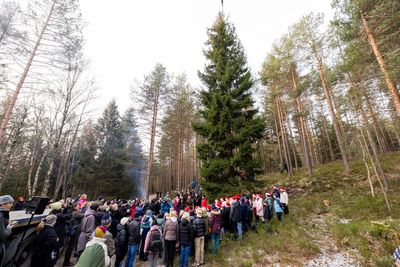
(185, 233)
(134, 232)
(43, 245)
(121, 241)
(235, 213)
(199, 227)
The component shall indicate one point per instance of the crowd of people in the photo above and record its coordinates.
(116, 232)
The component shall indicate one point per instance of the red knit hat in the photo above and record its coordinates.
(187, 209)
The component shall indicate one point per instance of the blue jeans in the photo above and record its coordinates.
(214, 242)
(131, 255)
(240, 231)
(184, 257)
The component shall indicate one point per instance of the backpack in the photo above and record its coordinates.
(155, 241)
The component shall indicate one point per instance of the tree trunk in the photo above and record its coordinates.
(303, 137)
(152, 142)
(333, 115)
(382, 64)
(13, 100)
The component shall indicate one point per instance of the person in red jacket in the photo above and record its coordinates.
(203, 202)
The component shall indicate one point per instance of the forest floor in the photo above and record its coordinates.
(333, 221)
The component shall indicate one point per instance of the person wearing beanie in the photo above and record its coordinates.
(95, 253)
(121, 241)
(106, 221)
(62, 222)
(133, 240)
(44, 244)
(284, 200)
(87, 227)
(199, 227)
(185, 239)
(215, 226)
(6, 203)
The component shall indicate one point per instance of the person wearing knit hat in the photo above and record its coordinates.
(6, 203)
(50, 220)
(100, 231)
(199, 226)
(55, 206)
(96, 251)
(284, 200)
(45, 239)
(106, 221)
(121, 241)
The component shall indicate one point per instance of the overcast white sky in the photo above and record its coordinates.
(126, 38)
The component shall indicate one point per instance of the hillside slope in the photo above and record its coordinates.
(333, 220)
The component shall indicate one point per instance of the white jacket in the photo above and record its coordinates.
(258, 204)
(284, 198)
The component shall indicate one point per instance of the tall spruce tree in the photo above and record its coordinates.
(111, 156)
(230, 125)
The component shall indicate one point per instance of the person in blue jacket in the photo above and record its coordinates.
(278, 207)
(165, 206)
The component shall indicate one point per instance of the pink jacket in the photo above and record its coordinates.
(148, 237)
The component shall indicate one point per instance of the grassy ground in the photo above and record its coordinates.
(329, 211)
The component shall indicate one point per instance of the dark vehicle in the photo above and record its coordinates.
(17, 252)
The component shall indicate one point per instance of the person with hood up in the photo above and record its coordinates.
(44, 243)
(87, 227)
(133, 240)
(215, 226)
(121, 241)
(185, 239)
(199, 228)
(6, 203)
(95, 253)
(153, 244)
(170, 235)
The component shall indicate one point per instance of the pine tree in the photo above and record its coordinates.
(230, 123)
(111, 157)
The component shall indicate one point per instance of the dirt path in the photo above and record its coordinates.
(330, 255)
